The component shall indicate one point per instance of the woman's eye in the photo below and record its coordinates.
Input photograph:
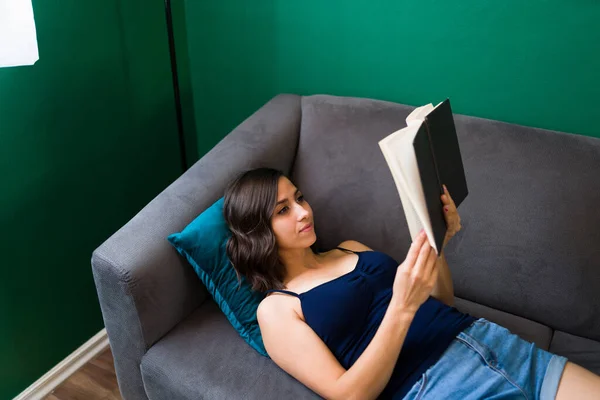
(283, 210)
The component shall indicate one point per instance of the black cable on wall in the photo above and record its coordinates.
(175, 76)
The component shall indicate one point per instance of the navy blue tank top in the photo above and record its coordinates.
(347, 311)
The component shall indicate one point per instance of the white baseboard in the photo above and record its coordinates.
(57, 375)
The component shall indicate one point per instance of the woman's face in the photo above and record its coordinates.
(292, 214)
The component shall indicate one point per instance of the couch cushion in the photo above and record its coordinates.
(342, 173)
(204, 358)
(528, 244)
(581, 351)
(529, 330)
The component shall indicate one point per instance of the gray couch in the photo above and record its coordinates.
(527, 257)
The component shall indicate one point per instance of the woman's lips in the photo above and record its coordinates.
(307, 229)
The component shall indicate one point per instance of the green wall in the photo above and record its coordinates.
(534, 63)
(87, 138)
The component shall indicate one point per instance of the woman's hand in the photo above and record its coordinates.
(416, 276)
(451, 215)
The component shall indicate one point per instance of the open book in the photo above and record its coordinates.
(421, 157)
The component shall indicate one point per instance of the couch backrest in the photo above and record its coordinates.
(530, 242)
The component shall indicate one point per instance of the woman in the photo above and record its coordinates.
(350, 323)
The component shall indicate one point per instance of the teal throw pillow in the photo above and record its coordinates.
(203, 243)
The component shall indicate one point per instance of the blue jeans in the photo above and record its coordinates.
(487, 361)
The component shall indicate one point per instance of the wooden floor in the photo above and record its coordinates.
(96, 380)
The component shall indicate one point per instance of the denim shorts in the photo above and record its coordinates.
(487, 361)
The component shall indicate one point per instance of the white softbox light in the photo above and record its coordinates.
(18, 41)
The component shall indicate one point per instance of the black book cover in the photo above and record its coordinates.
(440, 162)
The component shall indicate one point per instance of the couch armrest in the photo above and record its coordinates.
(144, 286)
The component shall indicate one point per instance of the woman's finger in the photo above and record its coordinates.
(446, 197)
(420, 264)
(413, 252)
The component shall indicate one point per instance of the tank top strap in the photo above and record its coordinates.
(343, 249)
(283, 291)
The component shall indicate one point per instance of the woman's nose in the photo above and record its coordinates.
(302, 212)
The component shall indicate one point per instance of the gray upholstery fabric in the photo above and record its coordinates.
(526, 329)
(205, 358)
(529, 243)
(530, 223)
(581, 351)
(527, 257)
(145, 288)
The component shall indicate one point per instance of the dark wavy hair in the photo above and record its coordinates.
(250, 201)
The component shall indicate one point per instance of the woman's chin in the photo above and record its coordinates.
(308, 237)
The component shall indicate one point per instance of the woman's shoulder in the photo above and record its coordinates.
(354, 246)
(273, 307)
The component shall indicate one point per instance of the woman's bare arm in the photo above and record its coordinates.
(297, 349)
(444, 288)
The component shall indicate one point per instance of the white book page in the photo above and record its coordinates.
(412, 219)
(419, 114)
(403, 164)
